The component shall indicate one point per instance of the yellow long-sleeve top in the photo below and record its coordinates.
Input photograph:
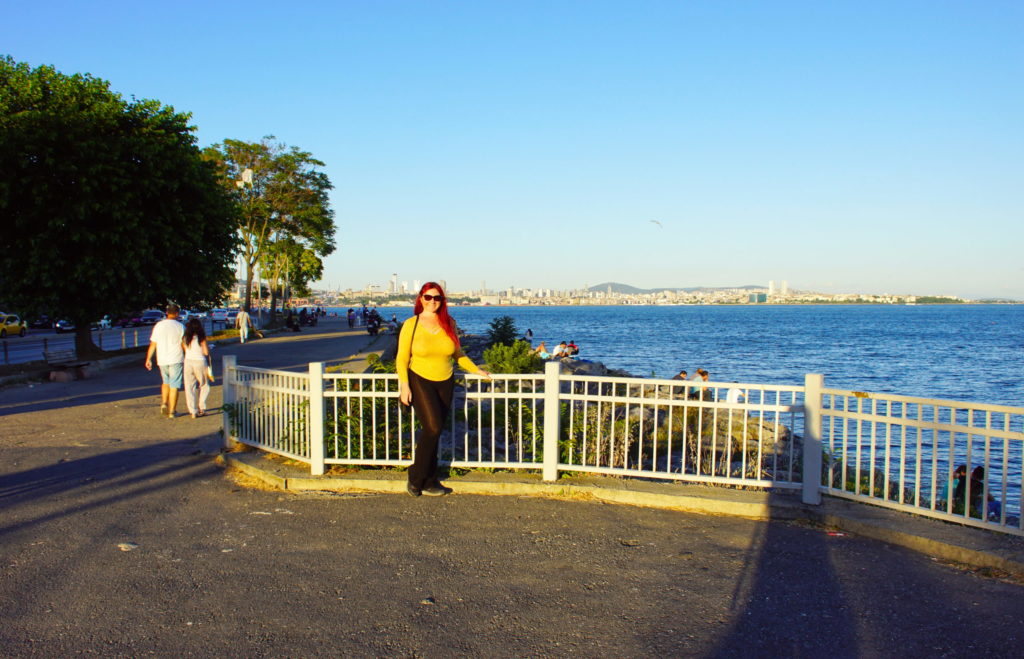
(431, 356)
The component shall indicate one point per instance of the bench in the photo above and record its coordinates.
(64, 366)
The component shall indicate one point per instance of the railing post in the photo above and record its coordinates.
(552, 416)
(227, 396)
(813, 384)
(316, 418)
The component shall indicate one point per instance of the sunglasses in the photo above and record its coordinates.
(431, 298)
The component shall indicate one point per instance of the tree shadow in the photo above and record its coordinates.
(109, 477)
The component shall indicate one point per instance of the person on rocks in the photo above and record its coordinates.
(428, 347)
(572, 349)
(561, 351)
(165, 344)
(542, 351)
(681, 375)
(700, 392)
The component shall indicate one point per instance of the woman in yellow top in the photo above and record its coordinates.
(427, 348)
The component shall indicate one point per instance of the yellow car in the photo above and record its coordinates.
(11, 324)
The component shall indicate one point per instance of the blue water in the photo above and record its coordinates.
(957, 352)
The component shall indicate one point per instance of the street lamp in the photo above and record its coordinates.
(241, 183)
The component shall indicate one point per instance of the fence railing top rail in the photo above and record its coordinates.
(270, 371)
(917, 400)
(796, 388)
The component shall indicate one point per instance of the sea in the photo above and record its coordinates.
(965, 352)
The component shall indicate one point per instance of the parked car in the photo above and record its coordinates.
(11, 324)
(130, 320)
(229, 319)
(152, 317)
(41, 322)
(64, 326)
(219, 315)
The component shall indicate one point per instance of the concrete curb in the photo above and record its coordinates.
(927, 546)
(761, 507)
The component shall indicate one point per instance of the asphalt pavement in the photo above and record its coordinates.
(119, 536)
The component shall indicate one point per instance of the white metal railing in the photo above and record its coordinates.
(894, 451)
(269, 409)
(903, 452)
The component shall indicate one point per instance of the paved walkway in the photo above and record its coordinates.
(215, 568)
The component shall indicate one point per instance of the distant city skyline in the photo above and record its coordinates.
(780, 287)
(845, 147)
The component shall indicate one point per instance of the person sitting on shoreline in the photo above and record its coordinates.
(542, 351)
(681, 375)
(700, 392)
(572, 349)
(560, 351)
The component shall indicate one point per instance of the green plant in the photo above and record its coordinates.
(516, 357)
(503, 331)
(359, 426)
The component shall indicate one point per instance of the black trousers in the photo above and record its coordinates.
(432, 401)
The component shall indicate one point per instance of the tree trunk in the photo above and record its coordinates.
(248, 284)
(273, 306)
(84, 347)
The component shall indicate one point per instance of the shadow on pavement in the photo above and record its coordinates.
(789, 601)
(104, 395)
(112, 476)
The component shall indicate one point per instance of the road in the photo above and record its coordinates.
(18, 350)
(118, 537)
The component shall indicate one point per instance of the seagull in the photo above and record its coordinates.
(658, 223)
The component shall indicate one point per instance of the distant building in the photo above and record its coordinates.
(757, 298)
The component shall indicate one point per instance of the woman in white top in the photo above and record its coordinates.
(196, 353)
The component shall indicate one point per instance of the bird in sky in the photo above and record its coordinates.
(658, 223)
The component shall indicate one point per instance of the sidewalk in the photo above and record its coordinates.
(118, 535)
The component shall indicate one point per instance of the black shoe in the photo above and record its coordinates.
(413, 490)
(436, 490)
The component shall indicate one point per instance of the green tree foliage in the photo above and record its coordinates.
(502, 331)
(107, 204)
(282, 197)
(515, 358)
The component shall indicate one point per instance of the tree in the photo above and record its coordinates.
(108, 205)
(502, 331)
(281, 195)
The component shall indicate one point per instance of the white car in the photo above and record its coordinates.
(219, 315)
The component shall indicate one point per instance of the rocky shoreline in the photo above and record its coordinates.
(475, 344)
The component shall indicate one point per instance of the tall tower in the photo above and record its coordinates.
(771, 287)
(785, 288)
(393, 286)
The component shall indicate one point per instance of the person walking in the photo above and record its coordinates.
(165, 343)
(428, 346)
(197, 354)
(243, 321)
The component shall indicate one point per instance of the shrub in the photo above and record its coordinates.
(515, 358)
(503, 331)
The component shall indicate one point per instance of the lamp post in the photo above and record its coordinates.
(246, 180)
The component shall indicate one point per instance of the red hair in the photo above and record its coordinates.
(447, 324)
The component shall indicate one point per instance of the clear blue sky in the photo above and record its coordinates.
(842, 146)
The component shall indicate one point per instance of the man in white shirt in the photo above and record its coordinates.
(243, 322)
(165, 343)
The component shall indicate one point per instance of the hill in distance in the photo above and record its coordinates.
(626, 289)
